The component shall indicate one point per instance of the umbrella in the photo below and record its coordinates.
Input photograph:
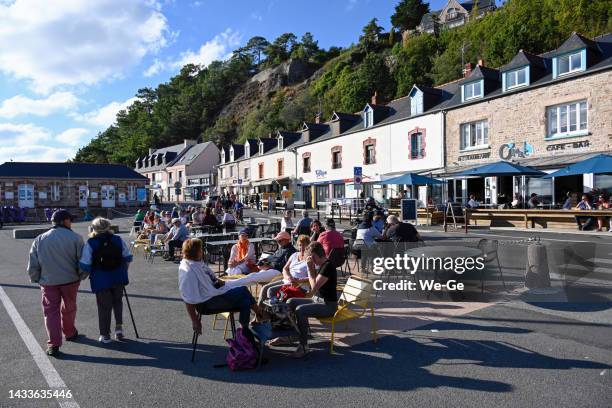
(602, 163)
(502, 168)
(411, 179)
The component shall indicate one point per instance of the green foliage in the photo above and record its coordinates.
(190, 104)
(408, 14)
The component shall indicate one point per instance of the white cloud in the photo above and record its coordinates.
(78, 42)
(72, 137)
(29, 142)
(256, 16)
(219, 48)
(22, 105)
(104, 116)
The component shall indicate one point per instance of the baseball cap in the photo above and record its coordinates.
(282, 235)
(60, 216)
(244, 231)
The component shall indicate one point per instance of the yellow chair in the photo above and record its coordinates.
(353, 304)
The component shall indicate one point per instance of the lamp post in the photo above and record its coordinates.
(294, 151)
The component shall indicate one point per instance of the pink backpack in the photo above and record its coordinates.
(242, 354)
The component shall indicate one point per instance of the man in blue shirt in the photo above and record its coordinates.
(303, 225)
(584, 204)
(178, 233)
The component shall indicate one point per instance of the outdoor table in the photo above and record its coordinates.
(444, 251)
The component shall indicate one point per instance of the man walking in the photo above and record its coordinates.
(54, 265)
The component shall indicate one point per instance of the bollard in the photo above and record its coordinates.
(537, 274)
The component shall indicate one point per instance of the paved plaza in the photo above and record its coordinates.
(504, 350)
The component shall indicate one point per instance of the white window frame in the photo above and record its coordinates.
(480, 128)
(261, 147)
(56, 192)
(131, 192)
(231, 154)
(368, 117)
(567, 111)
(222, 156)
(416, 103)
(515, 74)
(421, 152)
(280, 143)
(471, 86)
(247, 150)
(570, 58)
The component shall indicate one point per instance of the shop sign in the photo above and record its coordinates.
(320, 174)
(569, 145)
(477, 156)
(509, 151)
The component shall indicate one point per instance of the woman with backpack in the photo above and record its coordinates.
(106, 258)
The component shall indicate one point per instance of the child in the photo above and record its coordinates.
(106, 258)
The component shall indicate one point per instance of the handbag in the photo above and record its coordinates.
(289, 291)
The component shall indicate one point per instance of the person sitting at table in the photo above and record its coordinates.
(330, 238)
(517, 202)
(175, 238)
(378, 221)
(203, 292)
(196, 217)
(584, 204)
(295, 269)
(161, 229)
(286, 222)
(320, 301)
(139, 218)
(473, 203)
(533, 201)
(284, 251)
(242, 256)
(602, 204)
(303, 225)
(316, 228)
(400, 231)
(175, 213)
(567, 205)
(165, 215)
(228, 220)
(366, 231)
(209, 218)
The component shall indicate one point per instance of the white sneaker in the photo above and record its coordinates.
(104, 339)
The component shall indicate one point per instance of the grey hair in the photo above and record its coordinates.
(392, 219)
(99, 226)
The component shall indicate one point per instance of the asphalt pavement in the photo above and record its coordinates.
(515, 350)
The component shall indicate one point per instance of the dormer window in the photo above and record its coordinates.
(261, 148)
(247, 150)
(222, 156)
(569, 63)
(368, 117)
(472, 90)
(452, 13)
(416, 102)
(280, 143)
(231, 154)
(516, 78)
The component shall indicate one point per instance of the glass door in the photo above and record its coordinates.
(108, 196)
(26, 195)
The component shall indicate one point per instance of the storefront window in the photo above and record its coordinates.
(339, 190)
(542, 187)
(603, 182)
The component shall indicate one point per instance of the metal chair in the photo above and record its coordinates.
(194, 340)
(490, 256)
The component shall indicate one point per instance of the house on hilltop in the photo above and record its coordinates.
(454, 14)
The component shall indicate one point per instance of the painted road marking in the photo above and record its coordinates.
(40, 358)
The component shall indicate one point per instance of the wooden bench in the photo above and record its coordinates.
(524, 218)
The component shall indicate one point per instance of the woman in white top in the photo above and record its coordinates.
(295, 270)
(286, 222)
(203, 292)
(242, 259)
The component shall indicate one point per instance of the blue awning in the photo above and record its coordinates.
(410, 179)
(501, 168)
(600, 164)
(320, 183)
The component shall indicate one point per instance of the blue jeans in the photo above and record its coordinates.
(234, 299)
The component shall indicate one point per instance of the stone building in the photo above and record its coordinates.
(455, 14)
(70, 185)
(543, 111)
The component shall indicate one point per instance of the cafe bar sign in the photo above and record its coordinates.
(569, 145)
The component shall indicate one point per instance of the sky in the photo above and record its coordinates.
(68, 66)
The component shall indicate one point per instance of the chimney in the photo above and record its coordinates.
(318, 118)
(467, 70)
(375, 98)
(481, 63)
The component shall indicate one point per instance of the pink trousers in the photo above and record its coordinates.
(59, 308)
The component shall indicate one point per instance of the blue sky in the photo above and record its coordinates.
(66, 69)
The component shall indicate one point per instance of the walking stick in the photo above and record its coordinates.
(130, 309)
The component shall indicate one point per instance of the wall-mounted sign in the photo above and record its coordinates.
(320, 174)
(509, 151)
(477, 156)
(141, 194)
(122, 197)
(569, 145)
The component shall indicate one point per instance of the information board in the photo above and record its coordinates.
(409, 209)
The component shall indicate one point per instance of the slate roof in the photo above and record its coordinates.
(238, 151)
(576, 42)
(188, 155)
(481, 72)
(290, 138)
(75, 170)
(171, 150)
(523, 58)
